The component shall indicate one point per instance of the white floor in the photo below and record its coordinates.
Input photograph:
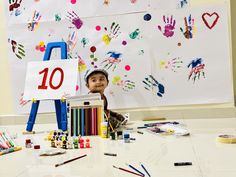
(158, 153)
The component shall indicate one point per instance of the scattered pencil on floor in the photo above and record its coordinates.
(145, 169)
(127, 171)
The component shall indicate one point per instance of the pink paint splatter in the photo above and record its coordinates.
(127, 67)
(77, 87)
(73, 1)
(98, 28)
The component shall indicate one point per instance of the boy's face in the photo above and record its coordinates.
(97, 82)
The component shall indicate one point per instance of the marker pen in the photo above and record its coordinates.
(182, 163)
(110, 154)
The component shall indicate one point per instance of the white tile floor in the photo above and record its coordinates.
(158, 153)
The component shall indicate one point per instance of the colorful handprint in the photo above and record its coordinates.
(75, 20)
(71, 41)
(126, 85)
(23, 102)
(197, 69)
(17, 49)
(189, 27)
(169, 26)
(111, 34)
(34, 23)
(151, 83)
(112, 61)
(173, 64)
(14, 4)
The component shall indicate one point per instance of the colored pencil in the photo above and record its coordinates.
(127, 171)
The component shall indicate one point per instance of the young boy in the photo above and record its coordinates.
(96, 81)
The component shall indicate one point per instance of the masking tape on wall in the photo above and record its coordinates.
(229, 139)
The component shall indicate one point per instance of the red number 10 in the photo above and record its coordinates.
(45, 74)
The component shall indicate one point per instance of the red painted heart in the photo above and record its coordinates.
(213, 15)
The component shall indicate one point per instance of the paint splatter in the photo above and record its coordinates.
(189, 28)
(112, 61)
(92, 56)
(34, 22)
(41, 46)
(57, 17)
(93, 49)
(84, 41)
(151, 83)
(197, 69)
(135, 34)
(17, 48)
(133, 1)
(183, 3)
(127, 67)
(73, 1)
(173, 64)
(74, 19)
(98, 28)
(112, 33)
(77, 88)
(169, 26)
(147, 17)
(124, 42)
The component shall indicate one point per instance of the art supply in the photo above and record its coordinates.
(104, 130)
(126, 138)
(139, 132)
(141, 127)
(119, 135)
(59, 164)
(153, 118)
(182, 163)
(145, 169)
(113, 135)
(110, 154)
(228, 139)
(135, 169)
(128, 171)
(6, 151)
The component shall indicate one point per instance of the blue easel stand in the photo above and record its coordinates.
(60, 105)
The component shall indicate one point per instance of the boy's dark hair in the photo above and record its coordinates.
(95, 71)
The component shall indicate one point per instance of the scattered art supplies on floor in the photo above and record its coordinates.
(227, 139)
(167, 128)
(7, 145)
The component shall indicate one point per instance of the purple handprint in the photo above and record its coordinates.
(75, 20)
(169, 26)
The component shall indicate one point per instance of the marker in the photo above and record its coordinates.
(110, 154)
(59, 164)
(141, 127)
(182, 163)
(10, 150)
(139, 132)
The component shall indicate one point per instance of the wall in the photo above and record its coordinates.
(7, 114)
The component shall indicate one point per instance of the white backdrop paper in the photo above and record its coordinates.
(153, 55)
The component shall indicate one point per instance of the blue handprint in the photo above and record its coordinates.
(151, 82)
(169, 26)
(197, 68)
(189, 27)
